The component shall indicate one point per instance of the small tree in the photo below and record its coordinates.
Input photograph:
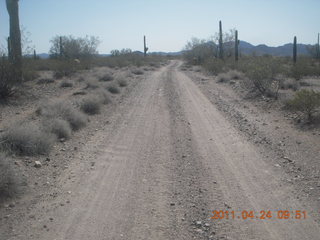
(74, 47)
(228, 40)
(197, 50)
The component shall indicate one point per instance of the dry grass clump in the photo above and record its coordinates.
(222, 77)
(66, 84)
(45, 81)
(106, 78)
(104, 96)
(66, 111)
(137, 71)
(91, 105)
(92, 84)
(8, 180)
(113, 89)
(27, 139)
(290, 83)
(122, 83)
(59, 127)
(235, 75)
(230, 75)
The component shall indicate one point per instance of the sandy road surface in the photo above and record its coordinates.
(169, 160)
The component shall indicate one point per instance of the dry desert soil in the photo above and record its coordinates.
(168, 153)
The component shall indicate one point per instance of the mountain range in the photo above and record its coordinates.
(284, 50)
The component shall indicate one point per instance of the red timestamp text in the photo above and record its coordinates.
(262, 215)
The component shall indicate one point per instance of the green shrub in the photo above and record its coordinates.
(7, 82)
(122, 83)
(106, 78)
(137, 71)
(262, 74)
(113, 89)
(66, 84)
(304, 67)
(215, 66)
(29, 74)
(65, 68)
(91, 105)
(305, 101)
(222, 77)
(234, 74)
(45, 81)
(290, 84)
(27, 139)
(92, 84)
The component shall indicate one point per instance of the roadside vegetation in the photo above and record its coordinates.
(282, 79)
(54, 121)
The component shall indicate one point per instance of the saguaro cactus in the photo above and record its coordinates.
(318, 48)
(220, 41)
(9, 49)
(61, 47)
(34, 54)
(236, 46)
(15, 38)
(295, 49)
(145, 49)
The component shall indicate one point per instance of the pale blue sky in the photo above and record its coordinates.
(168, 24)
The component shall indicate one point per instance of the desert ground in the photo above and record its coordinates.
(161, 159)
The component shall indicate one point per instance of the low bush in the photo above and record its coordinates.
(92, 84)
(61, 128)
(290, 84)
(222, 77)
(104, 96)
(113, 89)
(66, 111)
(215, 66)
(263, 73)
(306, 102)
(66, 84)
(45, 81)
(91, 105)
(122, 83)
(27, 139)
(230, 75)
(29, 75)
(234, 74)
(8, 181)
(76, 119)
(6, 80)
(106, 78)
(137, 71)
(65, 68)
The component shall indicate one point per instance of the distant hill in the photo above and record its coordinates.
(284, 50)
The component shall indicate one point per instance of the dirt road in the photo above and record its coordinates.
(168, 159)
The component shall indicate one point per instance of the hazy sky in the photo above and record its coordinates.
(168, 24)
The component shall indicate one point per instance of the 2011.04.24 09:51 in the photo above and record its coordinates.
(263, 214)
